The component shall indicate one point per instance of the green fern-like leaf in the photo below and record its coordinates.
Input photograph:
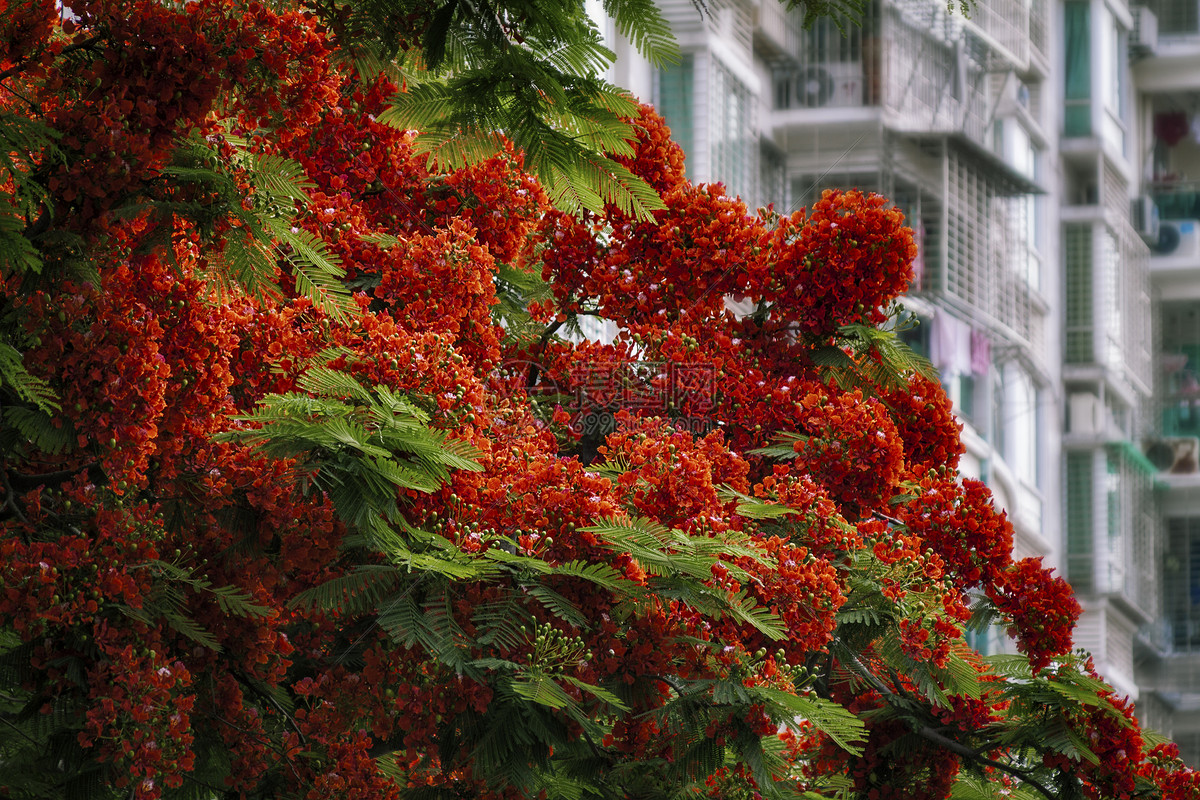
(25, 385)
(236, 601)
(543, 690)
(51, 435)
(358, 592)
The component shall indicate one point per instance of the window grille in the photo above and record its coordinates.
(1080, 519)
(772, 179)
(1132, 554)
(1179, 412)
(733, 140)
(1127, 265)
(1080, 344)
(733, 21)
(1114, 192)
(1176, 17)
(1112, 300)
(933, 78)
(1039, 26)
(968, 231)
(1181, 582)
(833, 68)
(1006, 24)
(1111, 537)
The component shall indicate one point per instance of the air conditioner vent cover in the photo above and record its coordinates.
(1175, 455)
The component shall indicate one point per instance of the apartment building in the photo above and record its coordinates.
(1047, 154)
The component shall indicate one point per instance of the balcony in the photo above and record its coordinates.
(777, 33)
(1175, 49)
(927, 70)
(1175, 253)
(1176, 199)
(1176, 18)
(1173, 420)
(1173, 447)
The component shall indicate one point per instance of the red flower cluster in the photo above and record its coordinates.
(1042, 607)
(851, 447)
(25, 27)
(845, 262)
(959, 522)
(139, 721)
(925, 421)
(1164, 769)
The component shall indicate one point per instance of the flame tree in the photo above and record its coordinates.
(308, 492)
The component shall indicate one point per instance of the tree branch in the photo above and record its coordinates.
(956, 747)
(23, 481)
(532, 374)
(20, 66)
(10, 501)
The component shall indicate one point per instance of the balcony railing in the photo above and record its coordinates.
(1176, 199)
(1176, 17)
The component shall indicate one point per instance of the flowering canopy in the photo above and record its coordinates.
(303, 494)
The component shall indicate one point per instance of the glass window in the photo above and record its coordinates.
(1021, 423)
(1114, 299)
(1080, 513)
(734, 145)
(1077, 70)
(772, 179)
(1181, 582)
(1114, 63)
(676, 102)
(1080, 323)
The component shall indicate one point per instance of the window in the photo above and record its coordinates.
(1114, 300)
(734, 143)
(1022, 252)
(1110, 527)
(1175, 16)
(1020, 424)
(1114, 60)
(676, 102)
(1080, 514)
(1080, 347)
(1077, 71)
(772, 179)
(1181, 582)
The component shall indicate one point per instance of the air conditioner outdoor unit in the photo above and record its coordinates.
(830, 84)
(1177, 455)
(1143, 39)
(1085, 413)
(1144, 215)
(1178, 238)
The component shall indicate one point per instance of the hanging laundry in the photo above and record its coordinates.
(981, 353)
(950, 345)
(1170, 127)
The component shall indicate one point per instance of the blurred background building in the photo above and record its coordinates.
(1047, 155)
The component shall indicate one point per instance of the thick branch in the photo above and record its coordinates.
(22, 481)
(532, 375)
(19, 67)
(956, 747)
